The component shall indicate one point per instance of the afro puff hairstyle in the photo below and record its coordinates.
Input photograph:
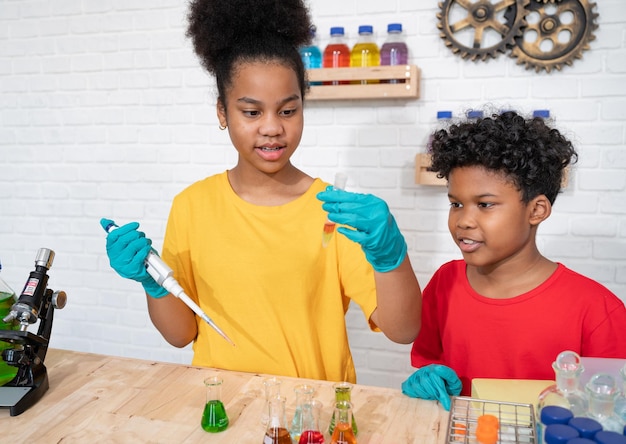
(227, 32)
(527, 151)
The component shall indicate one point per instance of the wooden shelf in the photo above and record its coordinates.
(422, 175)
(409, 75)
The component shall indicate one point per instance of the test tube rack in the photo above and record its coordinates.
(517, 421)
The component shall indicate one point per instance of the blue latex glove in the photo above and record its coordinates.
(127, 249)
(373, 226)
(433, 381)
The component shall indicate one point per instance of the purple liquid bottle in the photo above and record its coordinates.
(394, 50)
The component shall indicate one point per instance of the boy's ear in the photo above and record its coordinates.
(540, 209)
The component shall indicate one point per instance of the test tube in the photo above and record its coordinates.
(329, 226)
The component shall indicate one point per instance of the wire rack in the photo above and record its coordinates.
(517, 421)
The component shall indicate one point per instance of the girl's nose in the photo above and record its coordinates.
(271, 125)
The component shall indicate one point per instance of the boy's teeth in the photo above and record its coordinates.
(468, 241)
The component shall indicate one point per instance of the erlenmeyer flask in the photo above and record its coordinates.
(311, 432)
(343, 433)
(304, 395)
(343, 392)
(276, 431)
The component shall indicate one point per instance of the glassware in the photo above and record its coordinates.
(343, 392)
(566, 391)
(602, 390)
(311, 432)
(214, 417)
(276, 431)
(271, 386)
(7, 299)
(620, 402)
(304, 396)
(343, 433)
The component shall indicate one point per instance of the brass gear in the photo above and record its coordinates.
(502, 19)
(561, 33)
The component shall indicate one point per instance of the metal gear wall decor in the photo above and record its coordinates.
(480, 21)
(541, 34)
(559, 35)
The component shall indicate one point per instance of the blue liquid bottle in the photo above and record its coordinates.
(311, 55)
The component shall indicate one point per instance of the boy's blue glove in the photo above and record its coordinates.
(433, 381)
(374, 226)
(127, 249)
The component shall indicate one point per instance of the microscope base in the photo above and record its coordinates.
(19, 399)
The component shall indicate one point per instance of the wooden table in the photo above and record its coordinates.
(97, 398)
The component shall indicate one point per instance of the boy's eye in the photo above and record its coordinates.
(485, 204)
(455, 205)
(288, 112)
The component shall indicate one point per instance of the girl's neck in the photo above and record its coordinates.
(269, 189)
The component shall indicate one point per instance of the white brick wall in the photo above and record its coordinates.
(104, 111)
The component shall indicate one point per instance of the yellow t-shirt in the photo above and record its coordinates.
(261, 273)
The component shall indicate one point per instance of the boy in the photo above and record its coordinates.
(505, 310)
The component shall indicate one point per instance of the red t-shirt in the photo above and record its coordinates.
(520, 337)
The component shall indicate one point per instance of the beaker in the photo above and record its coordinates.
(214, 417)
(304, 395)
(602, 390)
(271, 387)
(343, 433)
(311, 432)
(276, 431)
(343, 392)
(566, 392)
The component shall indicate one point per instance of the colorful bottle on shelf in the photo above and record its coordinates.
(365, 51)
(443, 119)
(311, 54)
(394, 50)
(336, 53)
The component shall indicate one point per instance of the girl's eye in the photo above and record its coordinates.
(288, 112)
(251, 113)
(485, 205)
(455, 205)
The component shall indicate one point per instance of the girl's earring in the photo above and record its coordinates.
(222, 127)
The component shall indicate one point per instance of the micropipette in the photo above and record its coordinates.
(329, 226)
(164, 276)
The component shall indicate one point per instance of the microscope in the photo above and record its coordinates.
(28, 350)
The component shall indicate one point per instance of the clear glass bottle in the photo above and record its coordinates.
(343, 392)
(214, 417)
(365, 51)
(566, 392)
(336, 53)
(343, 433)
(311, 432)
(620, 402)
(304, 396)
(394, 50)
(271, 388)
(7, 299)
(602, 390)
(276, 431)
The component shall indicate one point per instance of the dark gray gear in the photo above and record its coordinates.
(556, 34)
(501, 22)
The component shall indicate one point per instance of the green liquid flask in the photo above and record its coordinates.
(343, 432)
(7, 299)
(343, 392)
(214, 417)
(276, 431)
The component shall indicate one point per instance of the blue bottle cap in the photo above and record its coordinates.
(559, 434)
(553, 414)
(587, 427)
(336, 30)
(474, 114)
(581, 441)
(394, 27)
(366, 29)
(606, 437)
(444, 114)
(543, 113)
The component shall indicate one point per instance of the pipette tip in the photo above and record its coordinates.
(217, 329)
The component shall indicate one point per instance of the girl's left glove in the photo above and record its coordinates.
(373, 226)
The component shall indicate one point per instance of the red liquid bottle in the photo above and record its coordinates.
(336, 53)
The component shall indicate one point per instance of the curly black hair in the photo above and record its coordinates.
(227, 32)
(528, 151)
